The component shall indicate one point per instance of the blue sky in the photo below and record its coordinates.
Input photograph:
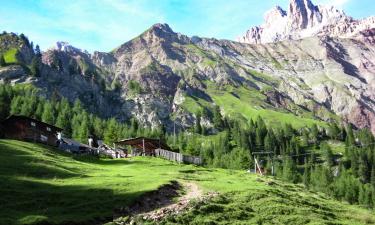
(104, 24)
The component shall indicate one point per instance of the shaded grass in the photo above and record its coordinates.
(38, 183)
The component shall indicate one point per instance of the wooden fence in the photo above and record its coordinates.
(178, 157)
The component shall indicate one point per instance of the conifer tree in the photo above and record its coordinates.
(198, 127)
(217, 118)
(47, 115)
(15, 105)
(83, 130)
(306, 173)
(35, 66)
(2, 60)
(110, 133)
(328, 154)
(289, 170)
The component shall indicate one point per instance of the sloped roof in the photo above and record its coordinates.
(20, 117)
(150, 144)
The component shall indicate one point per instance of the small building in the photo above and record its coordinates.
(27, 129)
(143, 145)
(75, 147)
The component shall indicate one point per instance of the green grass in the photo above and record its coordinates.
(338, 147)
(40, 183)
(43, 185)
(251, 104)
(10, 56)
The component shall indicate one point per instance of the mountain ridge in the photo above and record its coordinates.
(304, 19)
(162, 77)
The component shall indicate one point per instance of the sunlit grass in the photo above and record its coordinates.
(40, 184)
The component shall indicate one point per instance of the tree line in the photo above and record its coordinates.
(74, 119)
(298, 155)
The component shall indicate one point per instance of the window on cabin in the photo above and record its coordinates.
(48, 129)
(33, 124)
(43, 138)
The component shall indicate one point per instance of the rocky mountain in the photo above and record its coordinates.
(162, 77)
(304, 19)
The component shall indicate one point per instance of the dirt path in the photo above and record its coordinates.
(192, 192)
(158, 204)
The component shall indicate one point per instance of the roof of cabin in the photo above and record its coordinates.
(16, 117)
(150, 144)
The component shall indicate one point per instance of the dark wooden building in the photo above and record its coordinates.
(28, 129)
(144, 146)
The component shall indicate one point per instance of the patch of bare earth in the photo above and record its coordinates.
(161, 203)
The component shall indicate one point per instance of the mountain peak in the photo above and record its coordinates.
(304, 19)
(64, 46)
(160, 29)
(162, 26)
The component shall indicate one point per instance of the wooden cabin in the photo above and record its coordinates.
(28, 129)
(144, 146)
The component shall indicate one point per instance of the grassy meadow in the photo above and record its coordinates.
(41, 185)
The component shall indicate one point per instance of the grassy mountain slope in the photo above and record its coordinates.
(40, 184)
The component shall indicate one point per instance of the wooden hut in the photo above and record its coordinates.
(28, 129)
(144, 146)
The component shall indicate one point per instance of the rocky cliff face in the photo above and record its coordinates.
(162, 76)
(304, 19)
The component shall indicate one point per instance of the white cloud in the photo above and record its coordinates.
(336, 3)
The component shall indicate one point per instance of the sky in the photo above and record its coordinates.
(103, 25)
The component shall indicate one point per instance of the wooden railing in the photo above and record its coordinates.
(178, 157)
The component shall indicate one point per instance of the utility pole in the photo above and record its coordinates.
(174, 132)
(256, 165)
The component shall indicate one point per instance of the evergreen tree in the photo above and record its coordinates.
(217, 118)
(314, 133)
(373, 175)
(110, 133)
(15, 105)
(290, 170)
(37, 51)
(2, 60)
(39, 110)
(198, 127)
(47, 115)
(35, 67)
(63, 119)
(83, 130)
(333, 131)
(306, 174)
(328, 154)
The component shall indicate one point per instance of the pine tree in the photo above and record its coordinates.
(328, 154)
(373, 176)
(268, 145)
(198, 127)
(27, 106)
(39, 110)
(37, 51)
(63, 121)
(47, 115)
(314, 133)
(35, 67)
(83, 132)
(217, 118)
(306, 174)
(2, 60)
(333, 131)
(15, 108)
(110, 133)
(290, 170)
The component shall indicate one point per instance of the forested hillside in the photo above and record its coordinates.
(331, 158)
